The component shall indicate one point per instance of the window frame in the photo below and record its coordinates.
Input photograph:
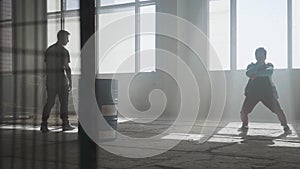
(119, 7)
(233, 37)
(62, 14)
(212, 49)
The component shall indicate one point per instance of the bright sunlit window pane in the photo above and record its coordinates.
(219, 34)
(53, 5)
(72, 25)
(262, 23)
(296, 33)
(114, 2)
(121, 56)
(147, 38)
(53, 27)
(72, 4)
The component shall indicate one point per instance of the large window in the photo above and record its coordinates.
(262, 23)
(238, 27)
(128, 54)
(65, 18)
(219, 34)
(124, 57)
(147, 41)
(5, 36)
(114, 2)
(121, 57)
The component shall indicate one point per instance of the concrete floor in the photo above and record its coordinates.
(264, 146)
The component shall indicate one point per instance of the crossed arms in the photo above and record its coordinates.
(256, 70)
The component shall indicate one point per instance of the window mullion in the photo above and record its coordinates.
(62, 16)
(290, 34)
(137, 36)
(233, 50)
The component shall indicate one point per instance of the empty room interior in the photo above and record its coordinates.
(158, 84)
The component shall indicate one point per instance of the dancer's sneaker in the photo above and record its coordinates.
(243, 128)
(67, 127)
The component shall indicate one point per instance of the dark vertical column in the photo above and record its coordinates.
(62, 14)
(23, 74)
(15, 60)
(45, 137)
(57, 110)
(88, 151)
(35, 72)
(137, 37)
(1, 90)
